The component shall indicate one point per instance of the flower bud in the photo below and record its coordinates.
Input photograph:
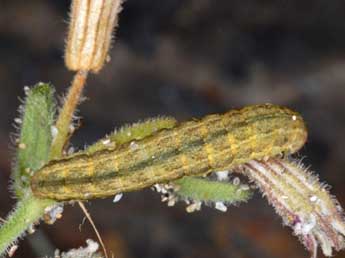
(90, 33)
(302, 201)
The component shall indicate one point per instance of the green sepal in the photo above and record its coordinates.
(132, 132)
(33, 144)
(206, 190)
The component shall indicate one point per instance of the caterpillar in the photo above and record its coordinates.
(214, 143)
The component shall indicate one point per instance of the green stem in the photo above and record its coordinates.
(28, 211)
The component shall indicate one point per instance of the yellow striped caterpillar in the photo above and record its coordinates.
(197, 147)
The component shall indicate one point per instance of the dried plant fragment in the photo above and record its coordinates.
(304, 204)
(90, 33)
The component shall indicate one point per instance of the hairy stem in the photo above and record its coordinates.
(66, 114)
(27, 212)
(30, 209)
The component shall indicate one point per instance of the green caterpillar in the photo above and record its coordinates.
(197, 147)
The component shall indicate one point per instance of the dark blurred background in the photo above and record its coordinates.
(185, 59)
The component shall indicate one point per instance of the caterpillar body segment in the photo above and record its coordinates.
(197, 147)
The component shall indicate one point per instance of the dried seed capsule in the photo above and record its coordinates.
(90, 33)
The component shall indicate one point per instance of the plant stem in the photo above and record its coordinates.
(28, 211)
(66, 114)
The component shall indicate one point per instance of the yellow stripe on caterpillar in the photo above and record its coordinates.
(214, 143)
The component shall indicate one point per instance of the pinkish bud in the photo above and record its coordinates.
(304, 204)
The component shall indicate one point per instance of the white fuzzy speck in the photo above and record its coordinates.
(12, 250)
(196, 206)
(168, 186)
(117, 197)
(106, 141)
(133, 145)
(236, 181)
(158, 187)
(222, 175)
(285, 197)
(70, 150)
(245, 187)
(339, 208)
(313, 198)
(294, 118)
(31, 229)
(71, 128)
(171, 202)
(221, 207)
(54, 213)
(18, 121)
(298, 228)
(22, 146)
(92, 246)
(87, 195)
(54, 131)
(307, 227)
(88, 251)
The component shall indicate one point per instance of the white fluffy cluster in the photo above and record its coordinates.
(170, 193)
(90, 251)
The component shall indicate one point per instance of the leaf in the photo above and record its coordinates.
(206, 190)
(35, 137)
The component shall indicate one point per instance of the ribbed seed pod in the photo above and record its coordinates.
(90, 33)
(302, 201)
